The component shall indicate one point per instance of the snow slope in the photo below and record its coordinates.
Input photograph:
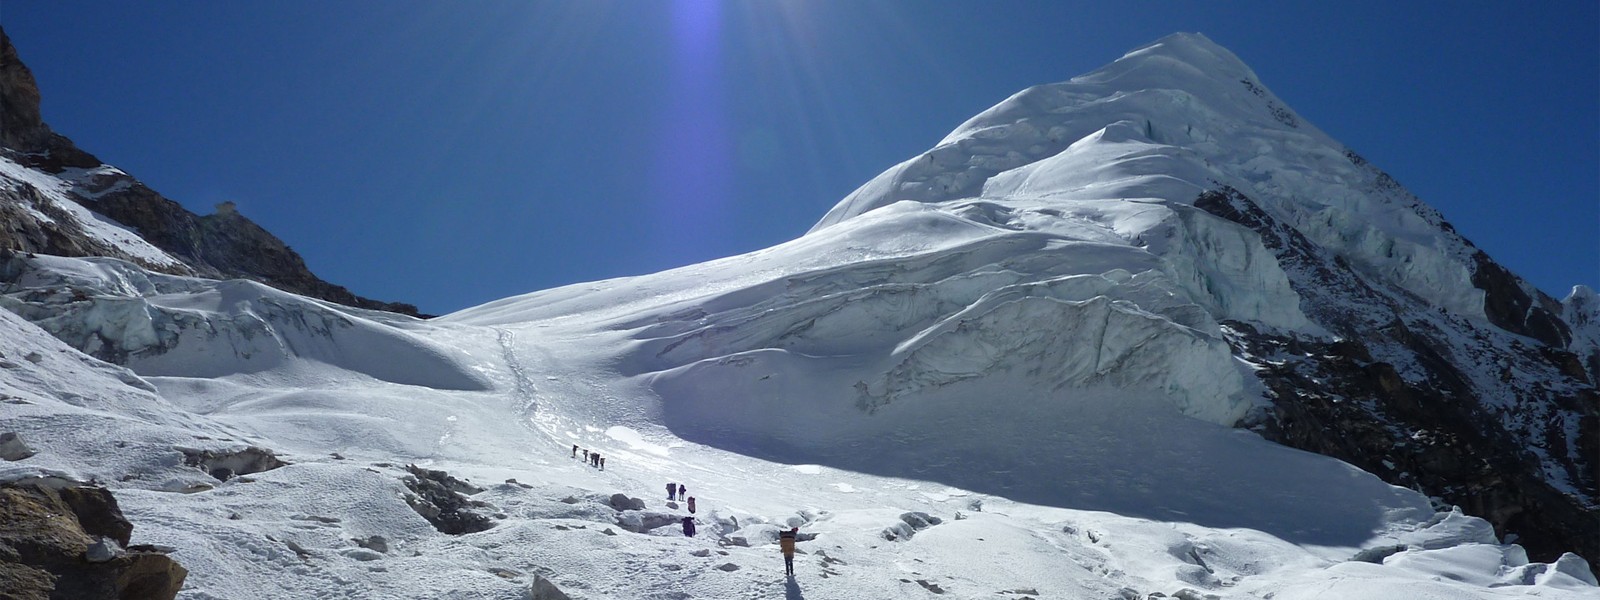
(999, 370)
(1163, 124)
(1139, 497)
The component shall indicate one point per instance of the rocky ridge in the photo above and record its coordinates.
(223, 245)
(1477, 442)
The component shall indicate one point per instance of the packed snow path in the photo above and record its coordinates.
(524, 392)
(1013, 385)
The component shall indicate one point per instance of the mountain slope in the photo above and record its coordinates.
(1470, 369)
(58, 199)
(1014, 366)
(1176, 204)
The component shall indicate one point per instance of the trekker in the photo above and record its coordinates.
(688, 526)
(691, 505)
(585, 456)
(683, 492)
(786, 543)
(574, 450)
(596, 461)
(602, 463)
(672, 491)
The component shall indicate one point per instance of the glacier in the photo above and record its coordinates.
(1059, 331)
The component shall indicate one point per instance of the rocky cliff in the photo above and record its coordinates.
(1508, 428)
(46, 179)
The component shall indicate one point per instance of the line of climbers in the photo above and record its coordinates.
(786, 539)
(592, 458)
(677, 492)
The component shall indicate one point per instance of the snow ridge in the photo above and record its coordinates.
(1035, 339)
(1165, 123)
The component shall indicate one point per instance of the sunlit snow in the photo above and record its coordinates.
(996, 371)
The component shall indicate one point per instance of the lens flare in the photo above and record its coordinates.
(691, 177)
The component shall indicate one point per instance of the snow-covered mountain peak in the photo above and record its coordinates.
(1582, 297)
(1041, 338)
(1163, 125)
(1183, 64)
(1184, 91)
(1188, 61)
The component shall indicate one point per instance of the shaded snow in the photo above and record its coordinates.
(1016, 334)
(1080, 491)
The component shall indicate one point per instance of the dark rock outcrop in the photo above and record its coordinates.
(1329, 401)
(621, 501)
(1510, 307)
(443, 501)
(45, 539)
(21, 126)
(1478, 417)
(225, 245)
(543, 589)
(225, 464)
(910, 523)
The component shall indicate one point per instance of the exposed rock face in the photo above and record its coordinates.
(1512, 308)
(1463, 412)
(225, 245)
(45, 541)
(224, 465)
(543, 589)
(21, 127)
(443, 501)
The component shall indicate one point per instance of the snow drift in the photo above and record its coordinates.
(1037, 339)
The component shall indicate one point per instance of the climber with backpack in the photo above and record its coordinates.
(786, 541)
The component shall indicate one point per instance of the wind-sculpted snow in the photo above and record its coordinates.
(872, 304)
(901, 230)
(1060, 344)
(1010, 367)
(164, 325)
(1058, 312)
(1165, 123)
(91, 420)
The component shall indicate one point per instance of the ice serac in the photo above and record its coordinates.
(168, 325)
(1044, 332)
(1117, 226)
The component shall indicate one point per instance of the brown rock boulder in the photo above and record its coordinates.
(45, 535)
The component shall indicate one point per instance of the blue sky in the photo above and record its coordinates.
(449, 154)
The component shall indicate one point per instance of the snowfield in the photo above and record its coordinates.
(1089, 493)
(999, 370)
